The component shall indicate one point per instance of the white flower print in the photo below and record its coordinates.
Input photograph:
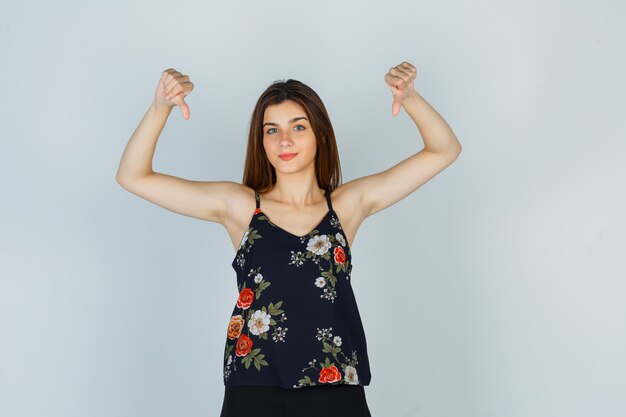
(297, 259)
(247, 240)
(324, 333)
(335, 222)
(340, 238)
(259, 322)
(329, 294)
(320, 282)
(241, 260)
(244, 238)
(319, 244)
(350, 375)
(315, 372)
(279, 334)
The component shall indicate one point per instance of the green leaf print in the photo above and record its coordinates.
(247, 360)
(273, 309)
(306, 381)
(255, 356)
(252, 235)
(327, 363)
(229, 348)
(258, 361)
(328, 348)
(331, 344)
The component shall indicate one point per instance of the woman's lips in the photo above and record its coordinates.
(287, 156)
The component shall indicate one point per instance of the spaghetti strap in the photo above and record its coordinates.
(258, 199)
(330, 206)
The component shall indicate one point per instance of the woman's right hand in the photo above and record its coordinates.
(172, 89)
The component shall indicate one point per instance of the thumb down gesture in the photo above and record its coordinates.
(400, 81)
(172, 89)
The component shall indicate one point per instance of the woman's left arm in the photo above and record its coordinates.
(441, 147)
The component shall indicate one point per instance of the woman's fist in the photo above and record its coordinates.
(400, 81)
(172, 89)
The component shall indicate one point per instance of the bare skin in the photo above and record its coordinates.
(296, 204)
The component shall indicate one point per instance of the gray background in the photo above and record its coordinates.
(495, 290)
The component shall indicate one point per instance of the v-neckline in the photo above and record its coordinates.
(328, 212)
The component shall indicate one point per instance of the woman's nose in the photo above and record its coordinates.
(285, 138)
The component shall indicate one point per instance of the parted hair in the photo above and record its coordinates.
(258, 173)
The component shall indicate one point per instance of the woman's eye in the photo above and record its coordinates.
(269, 131)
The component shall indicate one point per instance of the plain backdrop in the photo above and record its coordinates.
(497, 289)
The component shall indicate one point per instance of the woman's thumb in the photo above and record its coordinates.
(395, 107)
(185, 109)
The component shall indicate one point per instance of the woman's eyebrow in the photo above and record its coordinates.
(290, 121)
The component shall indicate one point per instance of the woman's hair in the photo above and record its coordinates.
(259, 174)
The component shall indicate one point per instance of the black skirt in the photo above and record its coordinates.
(312, 401)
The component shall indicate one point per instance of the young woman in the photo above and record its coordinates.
(295, 344)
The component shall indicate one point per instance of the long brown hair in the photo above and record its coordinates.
(259, 174)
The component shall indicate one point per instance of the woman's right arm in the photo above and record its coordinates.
(206, 200)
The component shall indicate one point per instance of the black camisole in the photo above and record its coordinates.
(295, 322)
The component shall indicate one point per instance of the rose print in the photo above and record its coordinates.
(235, 326)
(330, 374)
(328, 371)
(328, 259)
(318, 247)
(244, 345)
(259, 320)
(246, 296)
(340, 255)
(328, 248)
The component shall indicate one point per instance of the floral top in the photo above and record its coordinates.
(295, 322)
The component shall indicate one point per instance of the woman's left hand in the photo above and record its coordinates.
(400, 81)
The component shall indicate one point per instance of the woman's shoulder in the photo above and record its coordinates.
(347, 197)
(240, 200)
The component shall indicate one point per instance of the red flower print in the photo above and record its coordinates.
(245, 298)
(340, 255)
(330, 374)
(257, 211)
(244, 344)
(235, 326)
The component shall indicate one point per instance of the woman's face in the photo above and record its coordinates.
(286, 130)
